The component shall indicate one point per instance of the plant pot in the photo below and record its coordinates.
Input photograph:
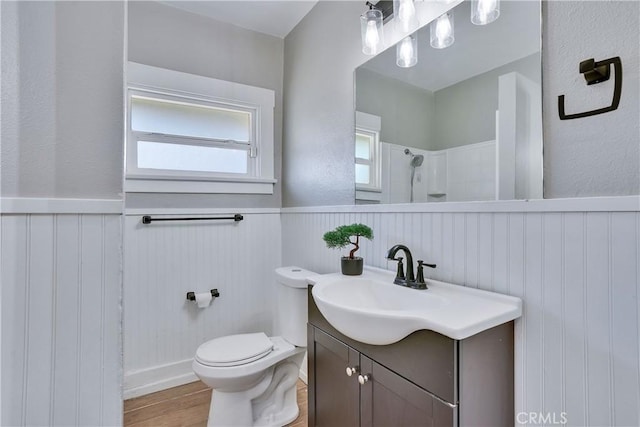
(352, 266)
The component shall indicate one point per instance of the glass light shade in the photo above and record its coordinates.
(442, 31)
(371, 32)
(404, 12)
(407, 52)
(484, 12)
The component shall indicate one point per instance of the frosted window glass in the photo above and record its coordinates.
(362, 174)
(158, 116)
(167, 156)
(363, 146)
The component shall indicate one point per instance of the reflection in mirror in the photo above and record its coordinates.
(473, 110)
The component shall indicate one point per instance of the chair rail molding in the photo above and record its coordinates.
(45, 205)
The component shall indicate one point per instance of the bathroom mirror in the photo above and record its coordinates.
(464, 123)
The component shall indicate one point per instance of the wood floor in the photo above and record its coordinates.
(186, 406)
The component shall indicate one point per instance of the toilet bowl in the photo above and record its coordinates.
(253, 377)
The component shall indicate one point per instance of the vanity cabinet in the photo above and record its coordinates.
(372, 395)
(426, 379)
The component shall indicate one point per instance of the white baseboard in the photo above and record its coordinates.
(303, 376)
(145, 381)
(303, 369)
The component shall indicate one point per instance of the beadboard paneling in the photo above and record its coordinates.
(61, 287)
(164, 261)
(577, 344)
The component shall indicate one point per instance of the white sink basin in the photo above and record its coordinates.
(371, 309)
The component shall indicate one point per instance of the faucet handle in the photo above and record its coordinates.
(400, 279)
(420, 262)
(420, 283)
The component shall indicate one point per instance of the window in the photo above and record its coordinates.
(174, 135)
(367, 152)
(365, 167)
(190, 133)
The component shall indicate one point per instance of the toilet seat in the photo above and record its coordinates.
(234, 350)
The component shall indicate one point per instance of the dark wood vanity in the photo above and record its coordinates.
(426, 379)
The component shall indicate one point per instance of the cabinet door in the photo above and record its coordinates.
(388, 399)
(334, 397)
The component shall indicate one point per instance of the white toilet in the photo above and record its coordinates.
(253, 376)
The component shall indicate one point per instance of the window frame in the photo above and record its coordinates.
(172, 86)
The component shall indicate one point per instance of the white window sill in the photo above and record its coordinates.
(217, 186)
(368, 195)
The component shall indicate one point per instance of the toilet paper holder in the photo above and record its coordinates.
(191, 296)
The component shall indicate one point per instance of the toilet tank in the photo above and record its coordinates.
(291, 311)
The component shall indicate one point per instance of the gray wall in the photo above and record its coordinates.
(460, 114)
(466, 111)
(586, 157)
(407, 111)
(163, 36)
(321, 54)
(62, 120)
(599, 155)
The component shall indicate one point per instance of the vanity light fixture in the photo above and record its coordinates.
(407, 52)
(484, 12)
(405, 13)
(371, 31)
(371, 25)
(441, 29)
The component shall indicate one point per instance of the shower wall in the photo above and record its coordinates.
(466, 173)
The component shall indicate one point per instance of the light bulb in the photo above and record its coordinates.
(442, 31)
(406, 14)
(484, 11)
(486, 7)
(443, 27)
(407, 52)
(372, 38)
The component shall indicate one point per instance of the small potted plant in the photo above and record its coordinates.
(341, 237)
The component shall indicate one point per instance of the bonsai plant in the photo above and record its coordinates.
(342, 236)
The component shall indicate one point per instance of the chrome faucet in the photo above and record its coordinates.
(408, 280)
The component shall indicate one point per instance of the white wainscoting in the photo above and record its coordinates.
(61, 317)
(164, 261)
(577, 345)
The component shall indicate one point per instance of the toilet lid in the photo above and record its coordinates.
(234, 350)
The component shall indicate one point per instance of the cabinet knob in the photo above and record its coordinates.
(362, 379)
(351, 371)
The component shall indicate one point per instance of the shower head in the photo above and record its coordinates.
(416, 159)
